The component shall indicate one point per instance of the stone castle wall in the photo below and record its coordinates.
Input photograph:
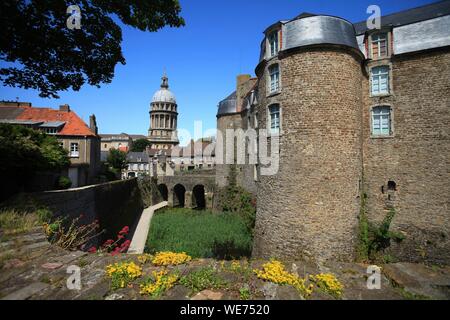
(311, 206)
(416, 157)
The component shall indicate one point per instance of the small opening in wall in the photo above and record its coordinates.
(382, 189)
(392, 186)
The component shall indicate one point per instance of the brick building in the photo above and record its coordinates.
(358, 113)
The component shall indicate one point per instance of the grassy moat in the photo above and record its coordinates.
(201, 234)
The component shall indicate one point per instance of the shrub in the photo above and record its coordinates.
(328, 283)
(64, 182)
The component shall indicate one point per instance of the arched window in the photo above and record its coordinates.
(379, 80)
(274, 118)
(274, 78)
(381, 121)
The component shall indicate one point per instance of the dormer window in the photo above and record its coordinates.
(273, 43)
(379, 45)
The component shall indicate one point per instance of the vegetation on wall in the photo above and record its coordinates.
(236, 200)
(116, 161)
(374, 238)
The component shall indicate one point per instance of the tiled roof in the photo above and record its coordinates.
(74, 125)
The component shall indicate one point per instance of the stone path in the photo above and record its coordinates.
(31, 268)
(140, 235)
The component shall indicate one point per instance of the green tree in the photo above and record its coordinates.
(117, 159)
(50, 57)
(139, 145)
(24, 152)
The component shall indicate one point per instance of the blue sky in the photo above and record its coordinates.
(220, 40)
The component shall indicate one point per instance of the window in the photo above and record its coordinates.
(50, 130)
(274, 118)
(380, 80)
(274, 75)
(379, 45)
(273, 43)
(381, 120)
(74, 152)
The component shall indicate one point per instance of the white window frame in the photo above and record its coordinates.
(274, 78)
(274, 124)
(274, 43)
(381, 121)
(74, 149)
(377, 78)
(377, 39)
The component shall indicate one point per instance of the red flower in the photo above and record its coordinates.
(107, 243)
(124, 247)
(124, 230)
(92, 249)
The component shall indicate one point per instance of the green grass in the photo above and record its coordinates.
(201, 234)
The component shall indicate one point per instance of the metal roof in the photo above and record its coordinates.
(228, 105)
(52, 124)
(413, 15)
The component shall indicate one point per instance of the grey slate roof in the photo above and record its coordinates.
(137, 157)
(430, 11)
(228, 105)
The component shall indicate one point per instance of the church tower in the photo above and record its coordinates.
(163, 118)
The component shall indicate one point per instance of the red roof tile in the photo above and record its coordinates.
(74, 125)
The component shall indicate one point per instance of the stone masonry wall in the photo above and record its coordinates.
(416, 157)
(310, 207)
(114, 204)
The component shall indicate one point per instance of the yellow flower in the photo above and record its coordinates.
(161, 282)
(144, 258)
(328, 283)
(275, 272)
(170, 258)
(122, 273)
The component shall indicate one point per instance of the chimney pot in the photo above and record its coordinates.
(64, 107)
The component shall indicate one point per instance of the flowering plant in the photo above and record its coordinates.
(328, 283)
(275, 272)
(115, 246)
(166, 258)
(122, 273)
(158, 284)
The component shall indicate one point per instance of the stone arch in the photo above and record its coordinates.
(198, 197)
(179, 192)
(163, 191)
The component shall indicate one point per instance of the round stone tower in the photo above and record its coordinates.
(163, 118)
(310, 79)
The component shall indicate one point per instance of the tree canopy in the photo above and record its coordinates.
(139, 145)
(117, 159)
(25, 152)
(44, 54)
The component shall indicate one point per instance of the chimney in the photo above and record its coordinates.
(242, 79)
(64, 107)
(93, 124)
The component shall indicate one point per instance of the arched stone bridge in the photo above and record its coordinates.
(188, 190)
